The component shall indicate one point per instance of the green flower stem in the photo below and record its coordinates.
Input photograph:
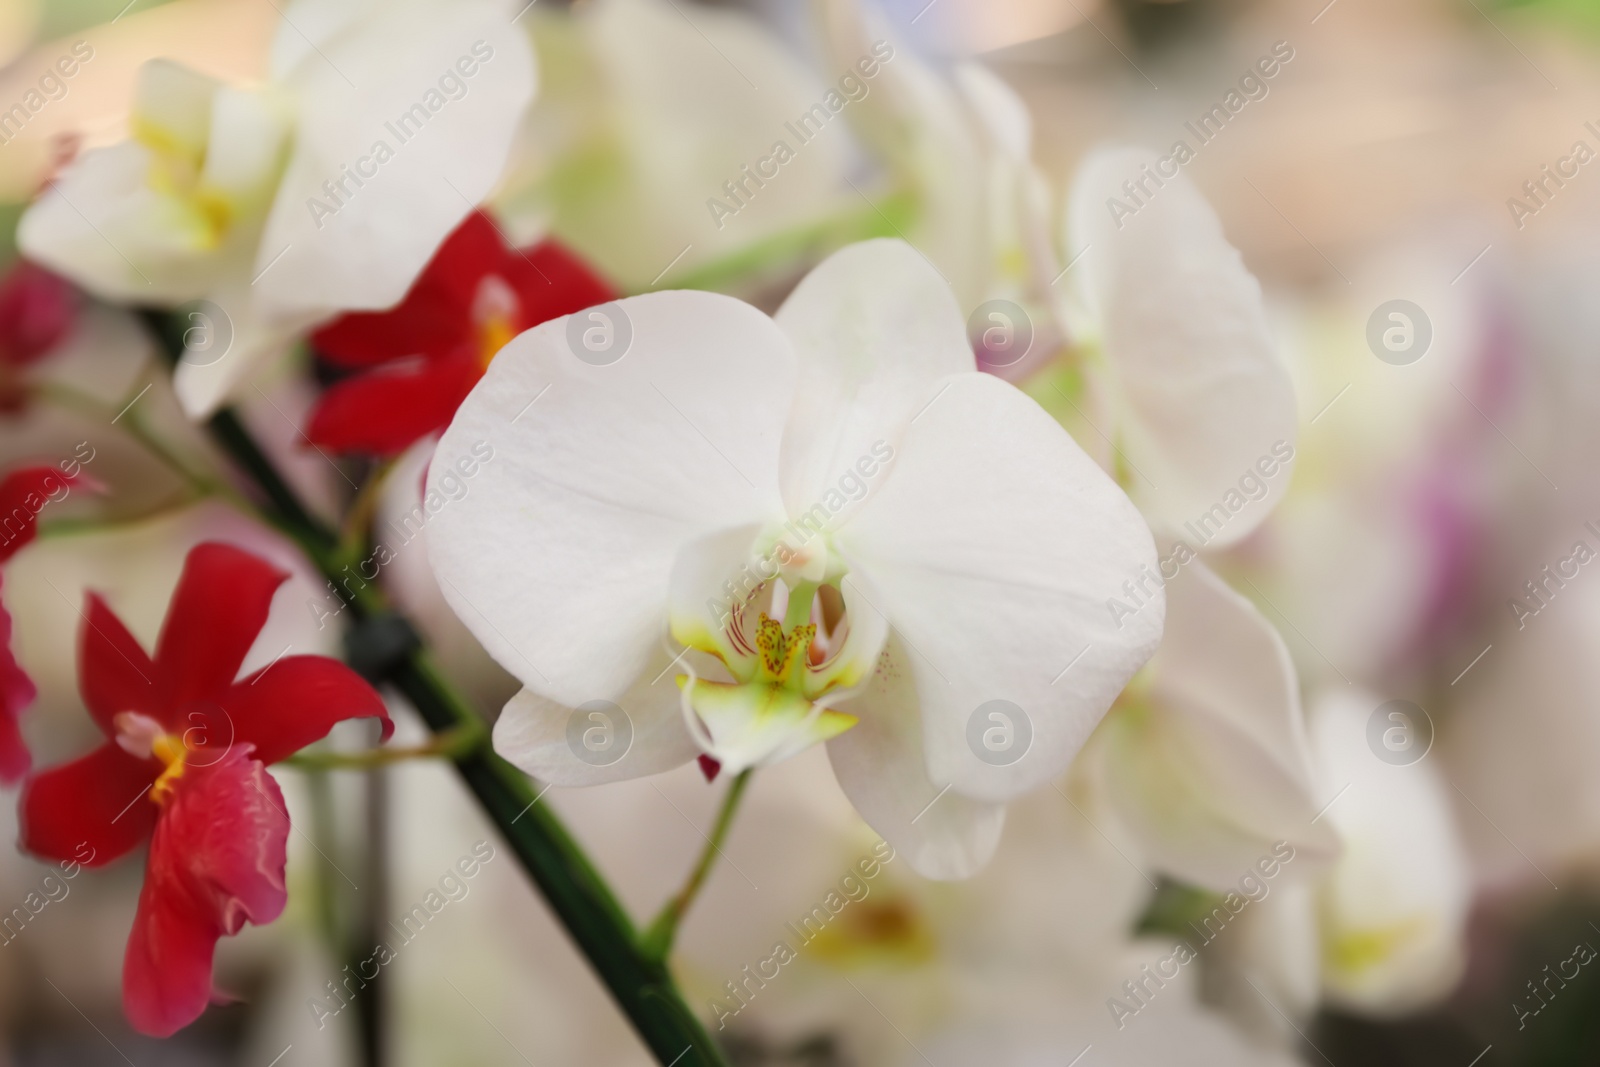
(640, 983)
(658, 939)
(450, 744)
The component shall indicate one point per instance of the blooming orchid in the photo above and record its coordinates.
(325, 189)
(700, 486)
(424, 355)
(184, 762)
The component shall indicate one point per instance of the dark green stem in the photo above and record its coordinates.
(603, 931)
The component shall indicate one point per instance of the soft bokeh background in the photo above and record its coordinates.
(1379, 166)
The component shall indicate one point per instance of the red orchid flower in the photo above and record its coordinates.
(37, 310)
(422, 357)
(23, 494)
(185, 760)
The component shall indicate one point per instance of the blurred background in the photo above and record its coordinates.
(1434, 548)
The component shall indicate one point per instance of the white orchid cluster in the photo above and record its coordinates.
(789, 502)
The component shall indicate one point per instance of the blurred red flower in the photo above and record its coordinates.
(185, 760)
(422, 357)
(37, 310)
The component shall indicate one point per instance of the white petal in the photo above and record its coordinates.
(873, 326)
(1394, 908)
(881, 767)
(1216, 769)
(361, 90)
(557, 553)
(632, 145)
(997, 545)
(545, 738)
(1202, 393)
(103, 226)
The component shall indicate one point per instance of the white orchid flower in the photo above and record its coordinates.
(701, 483)
(665, 139)
(323, 190)
(1393, 909)
(1208, 764)
(1198, 395)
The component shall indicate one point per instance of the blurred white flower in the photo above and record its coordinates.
(1205, 760)
(649, 111)
(972, 571)
(326, 189)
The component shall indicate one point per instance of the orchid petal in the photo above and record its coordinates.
(1216, 769)
(882, 768)
(92, 810)
(873, 327)
(368, 241)
(1202, 393)
(546, 739)
(997, 544)
(558, 556)
(216, 861)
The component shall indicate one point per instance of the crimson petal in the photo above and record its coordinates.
(92, 810)
(435, 315)
(114, 673)
(385, 410)
(217, 611)
(551, 281)
(296, 701)
(16, 693)
(217, 861)
(23, 494)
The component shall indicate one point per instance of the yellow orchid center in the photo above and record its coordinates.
(494, 314)
(139, 735)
